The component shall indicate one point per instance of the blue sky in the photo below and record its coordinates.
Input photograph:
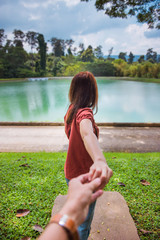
(80, 21)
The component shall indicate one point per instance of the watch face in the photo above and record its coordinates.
(63, 220)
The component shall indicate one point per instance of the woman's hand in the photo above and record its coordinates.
(101, 170)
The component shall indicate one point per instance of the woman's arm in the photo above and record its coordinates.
(99, 167)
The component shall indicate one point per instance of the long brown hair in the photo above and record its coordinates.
(83, 93)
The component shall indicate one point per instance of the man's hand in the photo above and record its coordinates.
(81, 194)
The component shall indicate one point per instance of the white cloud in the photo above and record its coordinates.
(71, 3)
(30, 5)
(130, 39)
(47, 3)
(110, 41)
(137, 29)
(34, 17)
(137, 42)
(93, 39)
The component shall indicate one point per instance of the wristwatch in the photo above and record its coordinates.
(68, 224)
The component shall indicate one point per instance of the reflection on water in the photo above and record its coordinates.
(119, 101)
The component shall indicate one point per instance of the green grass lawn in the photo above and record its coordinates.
(39, 180)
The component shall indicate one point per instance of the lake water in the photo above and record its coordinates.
(119, 101)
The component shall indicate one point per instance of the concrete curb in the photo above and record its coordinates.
(102, 124)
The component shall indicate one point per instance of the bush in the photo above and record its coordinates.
(73, 69)
(101, 68)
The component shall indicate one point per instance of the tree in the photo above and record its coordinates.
(122, 55)
(57, 66)
(2, 37)
(82, 49)
(87, 55)
(18, 38)
(75, 51)
(68, 45)
(58, 46)
(131, 57)
(42, 51)
(13, 60)
(31, 39)
(141, 59)
(98, 52)
(151, 55)
(110, 52)
(146, 11)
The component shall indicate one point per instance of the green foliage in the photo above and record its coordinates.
(120, 65)
(101, 68)
(98, 52)
(15, 62)
(122, 55)
(141, 59)
(151, 55)
(33, 181)
(42, 51)
(131, 57)
(58, 66)
(2, 37)
(145, 69)
(58, 46)
(13, 59)
(31, 39)
(87, 55)
(73, 69)
(146, 11)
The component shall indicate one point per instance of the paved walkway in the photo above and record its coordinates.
(112, 220)
(52, 138)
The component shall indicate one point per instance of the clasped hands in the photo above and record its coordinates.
(100, 169)
(84, 190)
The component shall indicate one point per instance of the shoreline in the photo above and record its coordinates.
(135, 79)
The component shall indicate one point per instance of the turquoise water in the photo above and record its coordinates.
(119, 101)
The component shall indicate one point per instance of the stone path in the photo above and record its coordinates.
(52, 138)
(112, 220)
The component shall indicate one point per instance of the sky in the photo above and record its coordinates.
(80, 21)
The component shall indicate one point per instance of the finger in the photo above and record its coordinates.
(97, 173)
(81, 178)
(94, 184)
(96, 195)
(111, 173)
(84, 178)
(91, 173)
(104, 174)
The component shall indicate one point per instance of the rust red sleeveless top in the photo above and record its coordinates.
(78, 160)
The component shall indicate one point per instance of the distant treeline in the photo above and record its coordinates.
(67, 60)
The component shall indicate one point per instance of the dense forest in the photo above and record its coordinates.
(67, 60)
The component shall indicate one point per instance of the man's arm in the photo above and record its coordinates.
(80, 195)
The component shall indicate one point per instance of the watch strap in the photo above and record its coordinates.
(68, 224)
